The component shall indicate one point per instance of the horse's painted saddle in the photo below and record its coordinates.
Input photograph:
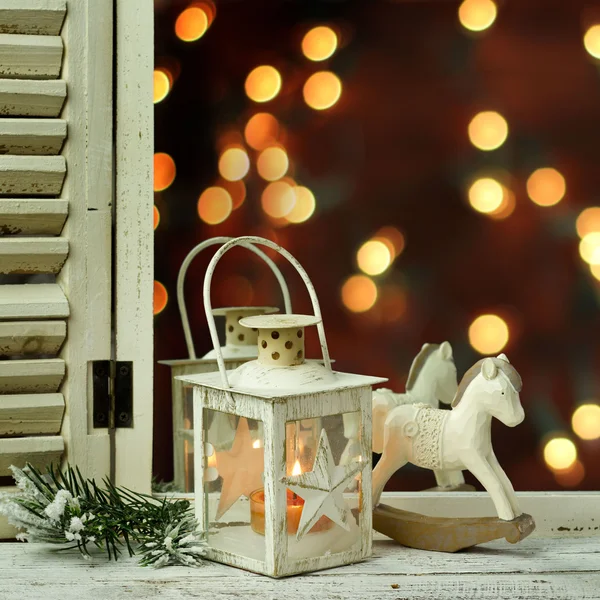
(426, 432)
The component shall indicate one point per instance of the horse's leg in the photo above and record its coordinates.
(506, 484)
(447, 478)
(479, 466)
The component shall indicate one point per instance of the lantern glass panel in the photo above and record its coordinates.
(234, 467)
(187, 437)
(311, 531)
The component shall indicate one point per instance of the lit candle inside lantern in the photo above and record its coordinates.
(295, 505)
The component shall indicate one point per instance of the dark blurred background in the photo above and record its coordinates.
(436, 173)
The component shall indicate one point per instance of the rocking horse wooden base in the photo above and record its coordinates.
(444, 534)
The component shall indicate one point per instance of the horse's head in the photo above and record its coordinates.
(433, 373)
(496, 385)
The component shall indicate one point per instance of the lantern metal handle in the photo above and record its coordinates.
(181, 280)
(248, 242)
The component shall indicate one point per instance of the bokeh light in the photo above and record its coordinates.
(359, 293)
(234, 164)
(572, 476)
(588, 221)
(486, 195)
(162, 85)
(236, 189)
(322, 90)
(319, 43)
(278, 199)
(263, 83)
(373, 257)
(586, 421)
(161, 297)
(393, 238)
(191, 24)
(164, 171)
(560, 453)
(488, 130)
(595, 271)
(488, 334)
(261, 131)
(304, 207)
(477, 15)
(507, 206)
(589, 248)
(546, 186)
(272, 163)
(156, 216)
(591, 41)
(214, 205)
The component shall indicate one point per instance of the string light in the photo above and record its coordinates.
(272, 163)
(488, 334)
(486, 195)
(263, 83)
(477, 15)
(507, 206)
(162, 85)
(156, 216)
(572, 476)
(234, 164)
(373, 257)
(214, 205)
(393, 239)
(488, 130)
(589, 248)
(586, 421)
(304, 207)
(161, 297)
(591, 41)
(261, 131)
(237, 191)
(595, 271)
(164, 171)
(560, 453)
(319, 43)
(191, 24)
(588, 221)
(359, 293)
(278, 199)
(322, 90)
(546, 187)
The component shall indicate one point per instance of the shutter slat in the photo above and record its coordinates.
(32, 136)
(31, 337)
(30, 56)
(39, 451)
(32, 255)
(39, 376)
(33, 301)
(31, 414)
(32, 98)
(30, 216)
(32, 175)
(42, 17)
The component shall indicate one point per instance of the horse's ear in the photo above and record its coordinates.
(488, 369)
(424, 346)
(503, 357)
(446, 351)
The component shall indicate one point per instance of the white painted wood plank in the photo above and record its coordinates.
(31, 337)
(42, 17)
(33, 255)
(31, 414)
(38, 376)
(33, 301)
(134, 235)
(32, 175)
(32, 136)
(7, 531)
(30, 56)
(32, 98)
(39, 451)
(32, 216)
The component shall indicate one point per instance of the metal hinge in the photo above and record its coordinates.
(113, 393)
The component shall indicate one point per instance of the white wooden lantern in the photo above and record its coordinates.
(240, 346)
(277, 501)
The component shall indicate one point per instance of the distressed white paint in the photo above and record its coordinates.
(31, 337)
(31, 376)
(32, 98)
(43, 17)
(33, 301)
(32, 175)
(31, 414)
(39, 451)
(30, 56)
(32, 216)
(32, 136)
(33, 255)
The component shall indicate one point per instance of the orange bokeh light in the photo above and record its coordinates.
(319, 43)
(572, 476)
(278, 199)
(234, 164)
(488, 130)
(191, 24)
(359, 293)
(263, 83)
(507, 206)
(162, 85)
(272, 163)
(546, 187)
(393, 239)
(161, 297)
(477, 15)
(156, 215)
(304, 207)
(261, 131)
(237, 191)
(322, 90)
(214, 205)
(164, 171)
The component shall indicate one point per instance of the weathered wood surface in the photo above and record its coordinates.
(32, 98)
(32, 216)
(32, 136)
(31, 337)
(32, 255)
(30, 56)
(31, 414)
(39, 376)
(41, 17)
(39, 451)
(537, 569)
(32, 175)
(33, 301)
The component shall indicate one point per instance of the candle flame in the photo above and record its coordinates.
(297, 470)
(212, 460)
(256, 444)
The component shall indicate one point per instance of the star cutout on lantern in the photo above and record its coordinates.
(241, 468)
(322, 488)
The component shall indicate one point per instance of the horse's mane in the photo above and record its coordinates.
(504, 366)
(417, 364)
